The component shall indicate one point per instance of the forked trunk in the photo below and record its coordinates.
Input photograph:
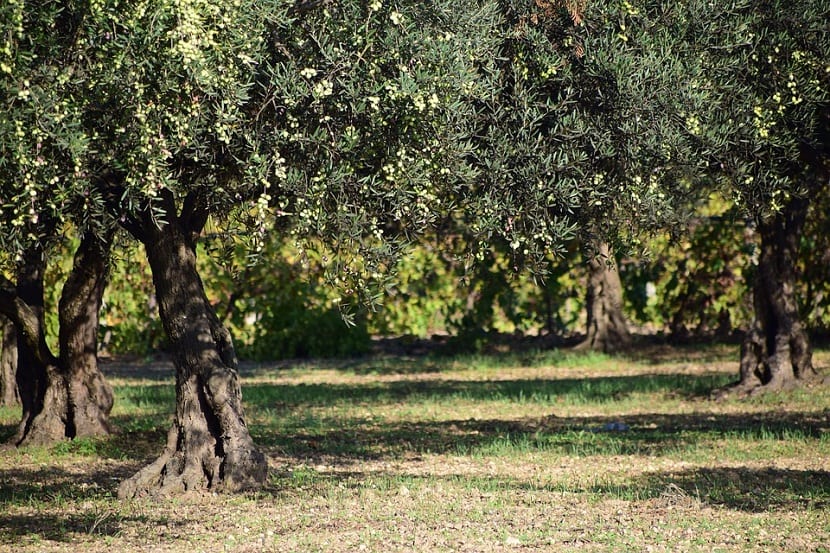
(208, 446)
(776, 351)
(66, 397)
(8, 364)
(607, 329)
(90, 395)
(43, 393)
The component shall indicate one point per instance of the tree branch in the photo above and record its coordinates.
(304, 6)
(25, 320)
(194, 213)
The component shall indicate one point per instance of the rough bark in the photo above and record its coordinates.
(90, 395)
(43, 395)
(208, 445)
(8, 364)
(776, 352)
(607, 329)
(64, 397)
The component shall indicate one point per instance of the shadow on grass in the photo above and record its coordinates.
(651, 352)
(54, 484)
(737, 488)
(155, 400)
(59, 527)
(399, 357)
(6, 432)
(740, 489)
(286, 407)
(349, 440)
(281, 420)
(543, 391)
(40, 490)
(645, 434)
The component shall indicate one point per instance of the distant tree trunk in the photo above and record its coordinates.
(64, 397)
(8, 364)
(607, 329)
(208, 446)
(776, 351)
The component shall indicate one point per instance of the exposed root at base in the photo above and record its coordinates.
(743, 389)
(177, 473)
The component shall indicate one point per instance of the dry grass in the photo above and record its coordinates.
(542, 452)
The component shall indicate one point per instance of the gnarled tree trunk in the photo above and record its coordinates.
(90, 395)
(43, 395)
(607, 329)
(8, 364)
(64, 397)
(776, 351)
(208, 446)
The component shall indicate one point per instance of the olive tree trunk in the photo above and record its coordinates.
(8, 364)
(43, 396)
(776, 351)
(607, 329)
(208, 445)
(63, 397)
(90, 395)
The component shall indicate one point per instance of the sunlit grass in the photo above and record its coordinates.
(542, 450)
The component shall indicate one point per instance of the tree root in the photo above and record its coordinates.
(177, 471)
(755, 388)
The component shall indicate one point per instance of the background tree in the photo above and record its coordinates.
(8, 365)
(765, 134)
(582, 140)
(42, 147)
(607, 329)
(814, 265)
(694, 285)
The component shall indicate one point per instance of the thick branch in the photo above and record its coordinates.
(194, 213)
(113, 192)
(25, 320)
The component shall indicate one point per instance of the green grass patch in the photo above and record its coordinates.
(536, 450)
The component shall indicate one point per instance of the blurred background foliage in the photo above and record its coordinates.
(689, 288)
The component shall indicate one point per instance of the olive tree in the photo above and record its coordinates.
(42, 147)
(765, 135)
(333, 122)
(583, 139)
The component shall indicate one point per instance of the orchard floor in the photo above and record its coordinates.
(528, 451)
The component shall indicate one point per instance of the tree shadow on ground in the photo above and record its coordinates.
(642, 434)
(157, 400)
(345, 441)
(282, 419)
(546, 391)
(654, 352)
(43, 488)
(57, 484)
(6, 432)
(739, 489)
(58, 527)
(411, 356)
(742, 488)
(351, 440)
(344, 448)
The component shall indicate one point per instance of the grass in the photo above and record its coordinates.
(542, 450)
